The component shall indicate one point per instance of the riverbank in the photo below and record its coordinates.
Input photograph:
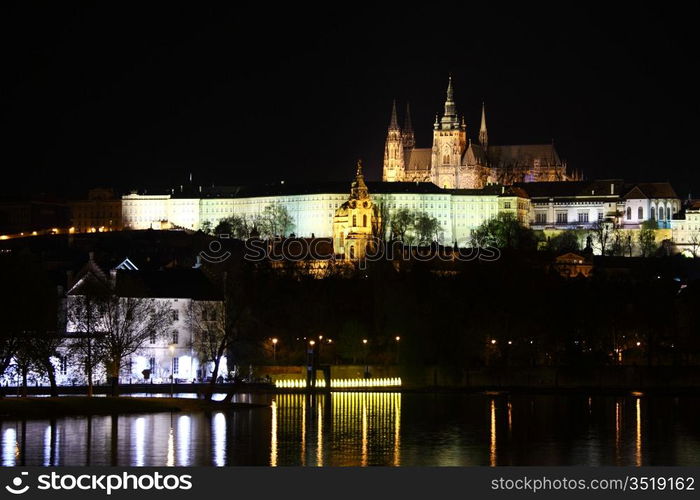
(71, 405)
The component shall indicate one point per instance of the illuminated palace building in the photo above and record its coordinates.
(459, 182)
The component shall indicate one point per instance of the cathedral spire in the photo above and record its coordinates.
(483, 134)
(450, 108)
(394, 123)
(409, 139)
(407, 125)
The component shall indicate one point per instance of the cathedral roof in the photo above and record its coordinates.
(474, 154)
(523, 154)
(418, 159)
(492, 190)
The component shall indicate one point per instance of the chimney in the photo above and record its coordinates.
(113, 276)
(612, 188)
(91, 256)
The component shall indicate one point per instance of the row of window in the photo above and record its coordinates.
(176, 337)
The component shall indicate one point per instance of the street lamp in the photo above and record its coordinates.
(274, 349)
(172, 367)
(364, 342)
(397, 338)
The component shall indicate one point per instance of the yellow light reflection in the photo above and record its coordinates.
(510, 417)
(492, 447)
(273, 436)
(364, 432)
(397, 428)
(319, 435)
(638, 441)
(618, 436)
(303, 433)
(360, 428)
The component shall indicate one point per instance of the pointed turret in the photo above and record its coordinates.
(359, 188)
(393, 150)
(450, 120)
(450, 108)
(394, 123)
(409, 139)
(483, 134)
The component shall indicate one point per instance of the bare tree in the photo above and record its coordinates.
(82, 316)
(211, 338)
(128, 324)
(602, 235)
(44, 347)
(694, 242)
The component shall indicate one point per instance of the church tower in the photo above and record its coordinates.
(449, 143)
(409, 139)
(483, 134)
(356, 221)
(393, 151)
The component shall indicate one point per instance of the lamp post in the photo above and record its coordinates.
(398, 339)
(172, 368)
(274, 349)
(364, 342)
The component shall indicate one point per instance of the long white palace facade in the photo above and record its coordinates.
(540, 205)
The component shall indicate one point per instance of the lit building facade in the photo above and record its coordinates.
(685, 230)
(101, 211)
(313, 206)
(582, 204)
(455, 162)
(182, 291)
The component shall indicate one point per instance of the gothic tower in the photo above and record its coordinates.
(393, 151)
(449, 143)
(483, 134)
(409, 139)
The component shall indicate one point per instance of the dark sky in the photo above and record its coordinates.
(140, 95)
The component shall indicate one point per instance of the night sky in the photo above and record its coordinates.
(140, 95)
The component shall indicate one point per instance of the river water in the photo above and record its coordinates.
(359, 429)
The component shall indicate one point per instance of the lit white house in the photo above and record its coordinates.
(171, 351)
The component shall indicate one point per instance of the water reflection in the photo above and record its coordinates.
(336, 429)
(364, 429)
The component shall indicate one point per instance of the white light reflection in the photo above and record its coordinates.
(139, 441)
(183, 440)
(219, 430)
(170, 461)
(9, 447)
(47, 446)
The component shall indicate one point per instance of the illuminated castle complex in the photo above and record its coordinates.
(455, 162)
